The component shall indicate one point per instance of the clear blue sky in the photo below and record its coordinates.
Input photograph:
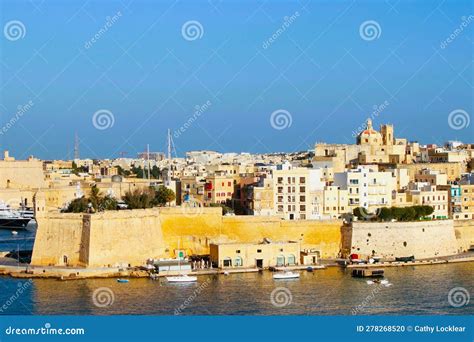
(143, 70)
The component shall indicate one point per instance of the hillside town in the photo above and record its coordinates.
(329, 182)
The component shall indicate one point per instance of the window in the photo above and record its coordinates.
(237, 251)
(227, 262)
(238, 261)
(280, 180)
(302, 208)
(302, 198)
(302, 180)
(302, 189)
(259, 251)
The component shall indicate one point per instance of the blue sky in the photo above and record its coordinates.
(322, 72)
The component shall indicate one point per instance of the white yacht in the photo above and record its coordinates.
(286, 275)
(181, 279)
(12, 219)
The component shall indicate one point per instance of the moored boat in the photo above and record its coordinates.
(286, 275)
(11, 219)
(367, 273)
(181, 279)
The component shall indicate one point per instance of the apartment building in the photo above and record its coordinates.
(296, 192)
(366, 187)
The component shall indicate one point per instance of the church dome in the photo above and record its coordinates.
(369, 136)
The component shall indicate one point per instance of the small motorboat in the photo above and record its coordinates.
(286, 275)
(14, 232)
(122, 280)
(309, 269)
(181, 279)
(226, 273)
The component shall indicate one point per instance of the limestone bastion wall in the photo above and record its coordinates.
(130, 237)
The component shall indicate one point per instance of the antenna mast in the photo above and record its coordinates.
(76, 146)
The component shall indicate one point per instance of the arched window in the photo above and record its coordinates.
(280, 260)
(291, 259)
(227, 262)
(238, 262)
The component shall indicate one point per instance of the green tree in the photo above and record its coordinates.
(78, 205)
(140, 198)
(164, 195)
(385, 214)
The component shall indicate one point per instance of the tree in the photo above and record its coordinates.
(164, 195)
(385, 214)
(95, 202)
(140, 198)
(78, 205)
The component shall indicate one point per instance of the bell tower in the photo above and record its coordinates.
(387, 134)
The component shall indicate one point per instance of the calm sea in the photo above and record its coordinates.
(414, 290)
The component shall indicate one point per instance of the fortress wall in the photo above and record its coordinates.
(464, 230)
(60, 236)
(423, 239)
(132, 236)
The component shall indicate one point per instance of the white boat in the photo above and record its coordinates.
(14, 232)
(181, 279)
(286, 275)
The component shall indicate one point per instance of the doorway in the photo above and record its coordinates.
(259, 263)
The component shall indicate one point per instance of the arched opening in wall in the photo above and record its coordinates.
(404, 243)
(65, 260)
(291, 259)
(238, 262)
(227, 262)
(280, 260)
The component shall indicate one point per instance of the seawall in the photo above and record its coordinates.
(130, 237)
(422, 239)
